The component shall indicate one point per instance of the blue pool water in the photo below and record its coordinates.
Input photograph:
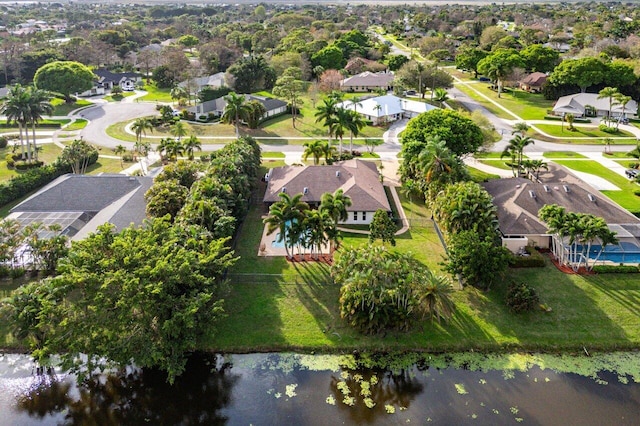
(622, 253)
(279, 241)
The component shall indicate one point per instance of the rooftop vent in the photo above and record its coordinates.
(591, 198)
(305, 190)
(566, 188)
(532, 194)
(284, 189)
(337, 173)
(546, 188)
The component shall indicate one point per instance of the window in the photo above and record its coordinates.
(364, 215)
(355, 215)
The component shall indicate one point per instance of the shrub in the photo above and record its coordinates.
(636, 192)
(5, 271)
(127, 157)
(521, 298)
(17, 273)
(32, 179)
(534, 260)
(615, 269)
(633, 165)
(10, 161)
(607, 129)
(3, 142)
(25, 165)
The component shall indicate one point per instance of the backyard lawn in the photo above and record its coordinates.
(60, 107)
(155, 94)
(562, 154)
(625, 197)
(526, 106)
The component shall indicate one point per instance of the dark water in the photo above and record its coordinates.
(270, 389)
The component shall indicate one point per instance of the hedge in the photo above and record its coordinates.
(615, 269)
(575, 120)
(534, 260)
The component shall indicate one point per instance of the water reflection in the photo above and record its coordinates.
(138, 397)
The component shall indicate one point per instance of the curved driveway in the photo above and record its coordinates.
(103, 115)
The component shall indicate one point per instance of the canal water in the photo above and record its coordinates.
(293, 389)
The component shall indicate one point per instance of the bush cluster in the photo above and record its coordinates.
(534, 260)
(616, 269)
(607, 129)
(521, 297)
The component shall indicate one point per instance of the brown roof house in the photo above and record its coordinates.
(533, 82)
(358, 179)
(368, 82)
(518, 200)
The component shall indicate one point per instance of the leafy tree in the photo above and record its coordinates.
(466, 206)
(235, 110)
(461, 134)
(252, 75)
(189, 41)
(166, 197)
(64, 77)
(185, 172)
(164, 77)
(540, 58)
(383, 290)
(382, 228)
(156, 289)
(78, 155)
(479, 260)
(180, 94)
(394, 62)
(521, 298)
(467, 58)
(584, 73)
(330, 57)
(621, 75)
(499, 64)
(290, 87)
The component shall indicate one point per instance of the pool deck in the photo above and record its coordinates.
(267, 249)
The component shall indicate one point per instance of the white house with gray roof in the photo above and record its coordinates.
(387, 108)
(368, 82)
(588, 104)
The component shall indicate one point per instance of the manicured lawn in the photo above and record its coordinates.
(272, 154)
(583, 132)
(78, 124)
(60, 107)
(562, 154)
(107, 165)
(497, 163)
(625, 197)
(155, 94)
(621, 155)
(480, 176)
(526, 106)
(118, 98)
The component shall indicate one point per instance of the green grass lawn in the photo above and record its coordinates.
(78, 124)
(527, 106)
(155, 94)
(118, 98)
(60, 107)
(272, 154)
(562, 154)
(497, 163)
(582, 132)
(625, 197)
(480, 176)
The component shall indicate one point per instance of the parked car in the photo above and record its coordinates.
(632, 173)
(484, 79)
(409, 93)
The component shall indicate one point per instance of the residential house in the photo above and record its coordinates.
(388, 108)
(588, 105)
(533, 82)
(518, 201)
(126, 80)
(216, 106)
(195, 85)
(81, 203)
(368, 82)
(358, 179)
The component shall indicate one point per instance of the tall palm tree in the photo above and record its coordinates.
(355, 101)
(179, 93)
(436, 161)
(319, 225)
(171, 147)
(336, 205)
(235, 110)
(282, 213)
(609, 93)
(521, 127)
(178, 130)
(16, 109)
(355, 123)
(340, 125)
(142, 149)
(119, 150)
(326, 113)
(191, 144)
(313, 149)
(328, 152)
(140, 127)
(622, 100)
(534, 166)
(515, 149)
(39, 105)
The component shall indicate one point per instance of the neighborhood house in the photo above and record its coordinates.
(588, 105)
(216, 106)
(358, 179)
(388, 108)
(368, 82)
(107, 80)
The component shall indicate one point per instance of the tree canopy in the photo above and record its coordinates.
(64, 77)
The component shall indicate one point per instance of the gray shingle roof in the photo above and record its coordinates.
(217, 105)
(358, 179)
(518, 201)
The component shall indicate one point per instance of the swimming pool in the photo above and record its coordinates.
(623, 252)
(278, 242)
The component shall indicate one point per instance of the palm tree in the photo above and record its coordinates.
(328, 152)
(516, 148)
(436, 162)
(336, 205)
(441, 95)
(570, 118)
(435, 295)
(340, 125)
(521, 127)
(179, 93)
(319, 226)
(313, 149)
(235, 110)
(39, 105)
(355, 123)
(119, 150)
(327, 114)
(534, 166)
(171, 148)
(611, 93)
(142, 149)
(16, 109)
(178, 130)
(140, 127)
(355, 101)
(191, 144)
(378, 108)
(622, 100)
(282, 213)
